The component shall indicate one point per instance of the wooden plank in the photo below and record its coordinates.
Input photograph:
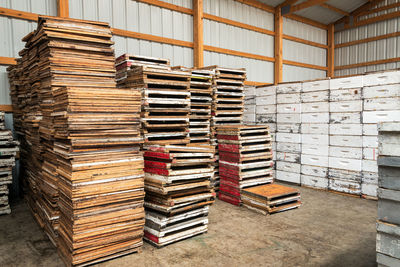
(198, 49)
(367, 40)
(7, 61)
(237, 53)
(63, 8)
(331, 51)
(18, 14)
(375, 10)
(238, 24)
(6, 108)
(303, 41)
(304, 65)
(258, 5)
(150, 37)
(169, 6)
(333, 8)
(307, 21)
(305, 5)
(252, 83)
(376, 62)
(278, 46)
(365, 7)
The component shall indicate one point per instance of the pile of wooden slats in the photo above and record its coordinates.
(271, 198)
(227, 104)
(74, 124)
(245, 159)
(8, 152)
(178, 192)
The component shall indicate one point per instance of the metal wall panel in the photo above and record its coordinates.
(257, 70)
(234, 10)
(184, 3)
(304, 31)
(234, 38)
(371, 51)
(294, 73)
(303, 53)
(44, 7)
(5, 98)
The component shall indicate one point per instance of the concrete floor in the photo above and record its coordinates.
(328, 230)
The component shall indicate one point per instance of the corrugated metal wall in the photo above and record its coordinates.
(303, 53)
(371, 51)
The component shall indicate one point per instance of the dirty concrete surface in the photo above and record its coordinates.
(327, 230)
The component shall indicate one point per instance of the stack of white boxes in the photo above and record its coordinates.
(315, 133)
(249, 114)
(345, 129)
(266, 111)
(381, 103)
(288, 137)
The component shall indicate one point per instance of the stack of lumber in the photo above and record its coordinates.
(227, 105)
(271, 198)
(8, 151)
(125, 62)
(101, 179)
(200, 105)
(388, 224)
(178, 192)
(81, 139)
(165, 103)
(245, 159)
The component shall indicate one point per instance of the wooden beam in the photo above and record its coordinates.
(63, 8)
(304, 65)
(7, 61)
(331, 51)
(6, 108)
(278, 68)
(287, 3)
(198, 48)
(363, 64)
(169, 6)
(362, 8)
(258, 5)
(149, 37)
(237, 53)
(18, 14)
(303, 41)
(367, 40)
(379, 9)
(371, 20)
(251, 83)
(238, 24)
(333, 8)
(305, 5)
(307, 21)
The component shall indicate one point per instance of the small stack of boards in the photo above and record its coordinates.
(245, 159)
(83, 169)
(227, 105)
(178, 192)
(8, 151)
(388, 224)
(165, 101)
(271, 198)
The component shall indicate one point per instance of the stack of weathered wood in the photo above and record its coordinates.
(101, 180)
(165, 101)
(8, 151)
(83, 166)
(178, 192)
(271, 198)
(245, 159)
(227, 105)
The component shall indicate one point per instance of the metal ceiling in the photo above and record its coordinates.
(322, 14)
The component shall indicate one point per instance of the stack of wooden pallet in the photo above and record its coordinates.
(228, 104)
(245, 159)
(126, 62)
(271, 198)
(101, 179)
(200, 105)
(8, 151)
(165, 103)
(178, 192)
(83, 166)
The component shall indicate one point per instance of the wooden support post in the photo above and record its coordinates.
(331, 51)
(198, 43)
(63, 8)
(278, 46)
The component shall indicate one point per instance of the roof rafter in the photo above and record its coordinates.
(333, 8)
(306, 4)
